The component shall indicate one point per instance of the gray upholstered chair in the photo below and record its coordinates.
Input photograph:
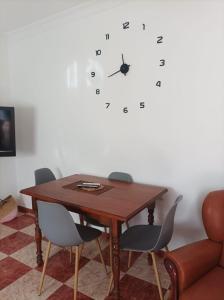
(119, 176)
(59, 228)
(64, 233)
(150, 238)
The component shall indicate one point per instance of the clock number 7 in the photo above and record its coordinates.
(107, 104)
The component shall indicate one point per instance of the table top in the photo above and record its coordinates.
(121, 200)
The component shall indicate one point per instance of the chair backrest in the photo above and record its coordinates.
(54, 220)
(43, 175)
(120, 176)
(57, 224)
(213, 215)
(167, 227)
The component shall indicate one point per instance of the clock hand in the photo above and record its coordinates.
(122, 58)
(114, 73)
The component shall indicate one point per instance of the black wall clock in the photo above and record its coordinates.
(123, 68)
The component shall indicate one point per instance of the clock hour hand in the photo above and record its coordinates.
(114, 73)
(122, 58)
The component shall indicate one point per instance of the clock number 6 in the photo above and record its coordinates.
(125, 110)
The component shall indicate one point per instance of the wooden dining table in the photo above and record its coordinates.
(115, 203)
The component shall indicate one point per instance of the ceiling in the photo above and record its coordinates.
(15, 14)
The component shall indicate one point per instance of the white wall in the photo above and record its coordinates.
(7, 164)
(176, 141)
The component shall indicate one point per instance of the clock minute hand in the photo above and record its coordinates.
(114, 73)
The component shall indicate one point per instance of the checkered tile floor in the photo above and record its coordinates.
(19, 275)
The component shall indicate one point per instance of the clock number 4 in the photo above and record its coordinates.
(162, 62)
(98, 52)
(158, 83)
(126, 25)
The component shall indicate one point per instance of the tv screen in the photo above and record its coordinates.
(7, 131)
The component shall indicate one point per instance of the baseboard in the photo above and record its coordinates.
(25, 210)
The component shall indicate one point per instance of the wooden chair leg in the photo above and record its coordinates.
(111, 254)
(110, 284)
(157, 275)
(71, 255)
(76, 271)
(129, 259)
(44, 268)
(101, 255)
(81, 249)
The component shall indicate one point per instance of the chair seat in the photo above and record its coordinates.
(94, 222)
(88, 233)
(140, 237)
(208, 287)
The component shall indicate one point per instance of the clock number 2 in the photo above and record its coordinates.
(126, 25)
(159, 39)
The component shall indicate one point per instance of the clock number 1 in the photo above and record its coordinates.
(143, 26)
(126, 25)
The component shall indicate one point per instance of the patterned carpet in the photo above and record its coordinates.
(19, 275)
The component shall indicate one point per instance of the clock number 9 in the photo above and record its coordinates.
(107, 104)
(125, 110)
(162, 62)
(93, 74)
(159, 39)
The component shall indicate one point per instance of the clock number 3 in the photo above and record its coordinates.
(162, 62)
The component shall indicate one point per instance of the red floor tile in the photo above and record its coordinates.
(135, 289)
(59, 266)
(67, 293)
(123, 258)
(15, 242)
(11, 270)
(20, 222)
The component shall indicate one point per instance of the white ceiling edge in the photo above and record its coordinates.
(19, 14)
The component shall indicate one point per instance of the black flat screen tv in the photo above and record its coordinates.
(7, 131)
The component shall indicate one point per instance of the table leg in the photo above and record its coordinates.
(38, 234)
(151, 209)
(116, 231)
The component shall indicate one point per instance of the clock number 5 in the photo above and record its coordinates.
(126, 25)
(162, 62)
(142, 104)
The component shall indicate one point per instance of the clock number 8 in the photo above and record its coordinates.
(97, 91)
(125, 110)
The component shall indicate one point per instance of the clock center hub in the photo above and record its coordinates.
(124, 68)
